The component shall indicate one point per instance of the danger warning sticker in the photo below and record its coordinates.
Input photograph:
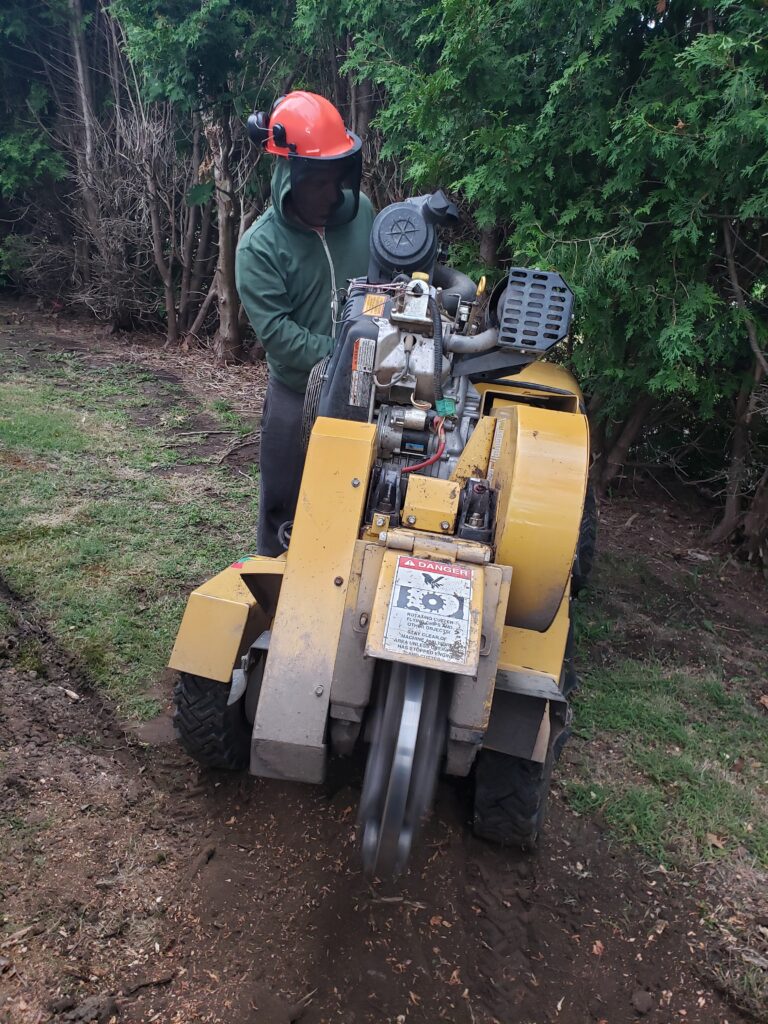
(444, 568)
(429, 610)
(363, 354)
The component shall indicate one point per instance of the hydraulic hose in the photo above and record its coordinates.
(437, 371)
(482, 342)
(457, 287)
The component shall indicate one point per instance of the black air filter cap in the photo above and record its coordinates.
(534, 310)
(402, 241)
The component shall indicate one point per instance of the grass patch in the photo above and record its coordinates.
(230, 417)
(116, 384)
(7, 622)
(103, 547)
(686, 769)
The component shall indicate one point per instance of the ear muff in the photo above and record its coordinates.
(258, 128)
(279, 136)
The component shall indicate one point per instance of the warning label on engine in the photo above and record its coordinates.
(363, 353)
(429, 610)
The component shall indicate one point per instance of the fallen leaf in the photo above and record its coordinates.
(435, 921)
(598, 948)
(455, 978)
(714, 840)
(231, 821)
(71, 693)
(764, 700)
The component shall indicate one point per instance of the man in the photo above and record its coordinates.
(291, 265)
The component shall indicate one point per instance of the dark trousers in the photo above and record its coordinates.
(281, 463)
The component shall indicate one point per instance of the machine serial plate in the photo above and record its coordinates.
(430, 616)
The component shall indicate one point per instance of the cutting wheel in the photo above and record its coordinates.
(407, 742)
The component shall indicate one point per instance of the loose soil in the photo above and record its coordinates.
(137, 888)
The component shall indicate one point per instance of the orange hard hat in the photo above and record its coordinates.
(303, 124)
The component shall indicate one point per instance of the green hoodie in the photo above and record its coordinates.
(285, 282)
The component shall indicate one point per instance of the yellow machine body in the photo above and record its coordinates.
(325, 604)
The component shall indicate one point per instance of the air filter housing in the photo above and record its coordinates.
(404, 236)
(534, 311)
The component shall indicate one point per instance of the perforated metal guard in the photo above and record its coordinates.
(538, 305)
(312, 399)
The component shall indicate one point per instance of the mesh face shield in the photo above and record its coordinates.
(326, 192)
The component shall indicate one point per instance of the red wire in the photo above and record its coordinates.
(433, 458)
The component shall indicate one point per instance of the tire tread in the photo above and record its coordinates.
(510, 798)
(215, 734)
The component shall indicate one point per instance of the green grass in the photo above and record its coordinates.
(229, 417)
(103, 547)
(7, 623)
(686, 763)
(676, 751)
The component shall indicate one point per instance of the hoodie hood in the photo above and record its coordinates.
(281, 187)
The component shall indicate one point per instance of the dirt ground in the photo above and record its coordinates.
(136, 888)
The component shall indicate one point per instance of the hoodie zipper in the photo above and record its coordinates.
(334, 305)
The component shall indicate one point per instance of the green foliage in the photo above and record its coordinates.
(611, 140)
(25, 159)
(199, 195)
(218, 54)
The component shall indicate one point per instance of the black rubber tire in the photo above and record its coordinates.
(214, 734)
(510, 798)
(587, 545)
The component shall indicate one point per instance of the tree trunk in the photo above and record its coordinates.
(490, 239)
(226, 343)
(738, 295)
(85, 154)
(197, 326)
(756, 525)
(597, 434)
(193, 216)
(617, 454)
(164, 269)
(732, 513)
(361, 111)
(203, 255)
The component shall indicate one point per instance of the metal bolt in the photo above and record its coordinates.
(319, 691)
(364, 619)
(338, 581)
(380, 520)
(355, 482)
(411, 520)
(445, 525)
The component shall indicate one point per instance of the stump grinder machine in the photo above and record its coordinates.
(422, 605)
